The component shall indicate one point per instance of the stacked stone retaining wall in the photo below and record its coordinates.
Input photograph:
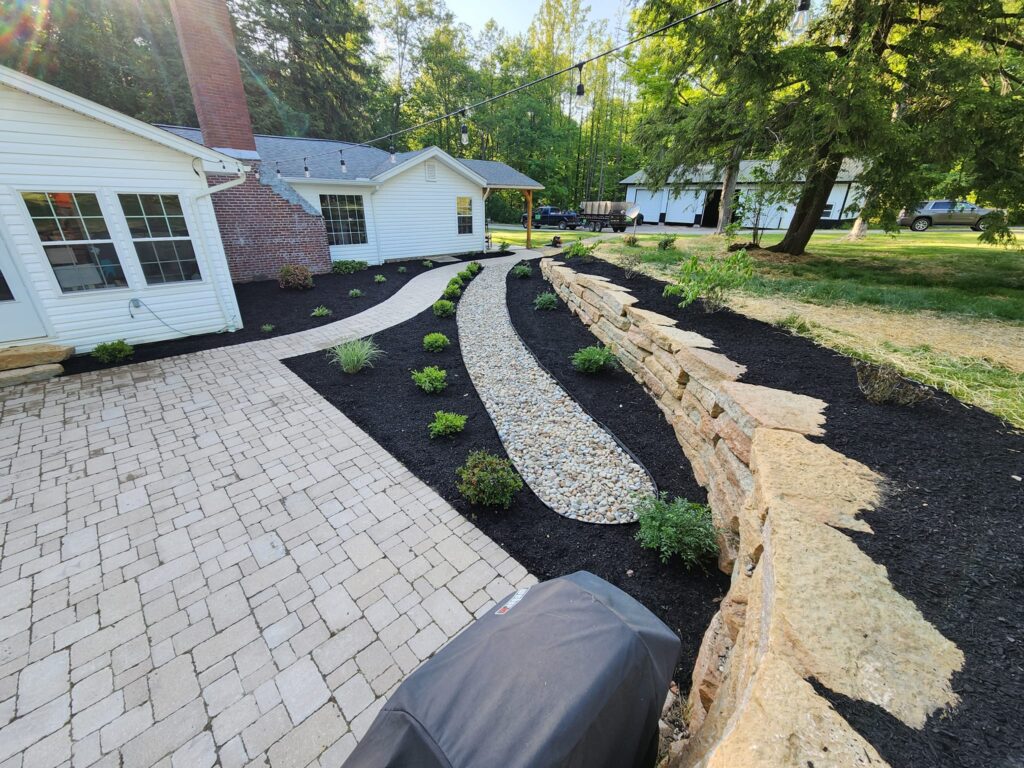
(805, 602)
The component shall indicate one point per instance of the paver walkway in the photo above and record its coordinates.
(203, 562)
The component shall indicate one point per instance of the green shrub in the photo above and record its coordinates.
(267, 327)
(580, 250)
(594, 359)
(546, 301)
(446, 424)
(465, 276)
(355, 293)
(474, 267)
(443, 308)
(109, 352)
(353, 356)
(431, 379)
(348, 267)
(710, 277)
(427, 263)
(522, 271)
(451, 292)
(294, 277)
(677, 527)
(456, 282)
(503, 246)
(435, 342)
(321, 311)
(379, 279)
(666, 242)
(630, 264)
(488, 480)
(631, 240)
(402, 270)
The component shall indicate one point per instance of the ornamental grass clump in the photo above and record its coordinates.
(379, 279)
(353, 356)
(435, 342)
(443, 308)
(546, 301)
(348, 267)
(295, 277)
(594, 359)
(488, 480)
(676, 528)
(355, 293)
(267, 328)
(446, 424)
(883, 385)
(427, 263)
(109, 352)
(431, 379)
(321, 311)
(402, 270)
(522, 271)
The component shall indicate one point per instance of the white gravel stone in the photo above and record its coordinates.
(571, 463)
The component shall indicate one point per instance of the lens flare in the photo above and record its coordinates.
(23, 25)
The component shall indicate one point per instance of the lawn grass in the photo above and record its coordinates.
(540, 236)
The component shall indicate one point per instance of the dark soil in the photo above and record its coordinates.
(950, 531)
(263, 302)
(546, 543)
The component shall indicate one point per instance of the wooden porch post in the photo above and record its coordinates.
(528, 194)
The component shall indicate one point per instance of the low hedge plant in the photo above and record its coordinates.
(488, 480)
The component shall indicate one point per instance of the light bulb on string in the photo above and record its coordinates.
(391, 153)
(305, 166)
(580, 90)
(341, 160)
(464, 131)
(278, 171)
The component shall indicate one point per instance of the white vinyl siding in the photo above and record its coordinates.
(367, 251)
(48, 148)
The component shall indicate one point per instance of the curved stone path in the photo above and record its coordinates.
(571, 463)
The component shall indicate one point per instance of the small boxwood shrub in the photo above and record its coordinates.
(522, 271)
(427, 263)
(446, 424)
(488, 480)
(451, 292)
(353, 356)
(443, 308)
(465, 275)
(594, 359)
(355, 293)
(109, 352)
(321, 311)
(676, 528)
(546, 301)
(435, 342)
(348, 267)
(294, 277)
(379, 279)
(267, 328)
(474, 267)
(431, 379)
(456, 281)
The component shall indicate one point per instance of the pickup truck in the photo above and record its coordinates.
(551, 216)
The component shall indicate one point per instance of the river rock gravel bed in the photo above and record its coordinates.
(569, 461)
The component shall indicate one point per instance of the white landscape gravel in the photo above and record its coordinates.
(572, 464)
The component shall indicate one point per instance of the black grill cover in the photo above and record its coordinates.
(571, 672)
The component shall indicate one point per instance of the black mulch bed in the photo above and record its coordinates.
(288, 311)
(950, 531)
(546, 543)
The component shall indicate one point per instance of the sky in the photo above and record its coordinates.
(516, 16)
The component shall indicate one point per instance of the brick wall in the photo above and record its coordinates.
(262, 231)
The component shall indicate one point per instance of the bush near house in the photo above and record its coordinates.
(474, 267)
(295, 277)
(348, 267)
(446, 424)
(353, 356)
(431, 379)
(267, 328)
(522, 271)
(443, 308)
(435, 342)
(427, 263)
(110, 352)
(321, 311)
(546, 301)
(355, 293)
(456, 281)
(676, 528)
(452, 292)
(488, 480)
(379, 279)
(402, 270)
(594, 359)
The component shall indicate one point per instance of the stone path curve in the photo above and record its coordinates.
(571, 463)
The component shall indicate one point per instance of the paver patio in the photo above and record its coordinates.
(203, 562)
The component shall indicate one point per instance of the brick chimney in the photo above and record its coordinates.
(207, 45)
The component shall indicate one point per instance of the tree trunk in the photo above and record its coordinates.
(811, 203)
(729, 178)
(860, 229)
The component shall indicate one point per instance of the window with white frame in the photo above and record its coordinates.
(76, 240)
(344, 219)
(161, 239)
(464, 214)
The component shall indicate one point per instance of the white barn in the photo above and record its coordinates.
(107, 229)
(693, 197)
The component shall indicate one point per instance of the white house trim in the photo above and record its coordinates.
(433, 153)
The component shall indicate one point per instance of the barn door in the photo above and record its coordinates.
(18, 317)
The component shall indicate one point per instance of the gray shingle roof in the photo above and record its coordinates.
(287, 152)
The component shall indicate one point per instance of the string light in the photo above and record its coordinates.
(579, 87)
(464, 130)
(278, 171)
(391, 153)
(341, 158)
(305, 166)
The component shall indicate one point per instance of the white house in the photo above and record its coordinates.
(107, 229)
(693, 197)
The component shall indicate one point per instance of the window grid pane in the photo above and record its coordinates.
(157, 226)
(344, 219)
(464, 215)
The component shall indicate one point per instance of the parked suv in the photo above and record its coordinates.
(939, 212)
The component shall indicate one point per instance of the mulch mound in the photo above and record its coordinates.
(950, 531)
(386, 404)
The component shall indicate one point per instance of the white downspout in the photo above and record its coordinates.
(376, 225)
